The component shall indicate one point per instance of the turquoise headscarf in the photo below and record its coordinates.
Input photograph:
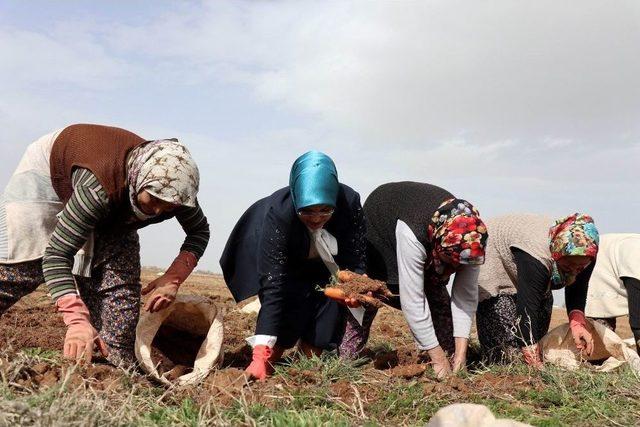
(313, 180)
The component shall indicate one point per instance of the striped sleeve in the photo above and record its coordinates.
(195, 224)
(87, 206)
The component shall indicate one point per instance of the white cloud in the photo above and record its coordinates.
(422, 72)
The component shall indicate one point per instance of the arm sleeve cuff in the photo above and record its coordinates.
(268, 340)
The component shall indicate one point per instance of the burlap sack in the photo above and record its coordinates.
(191, 313)
(469, 415)
(559, 349)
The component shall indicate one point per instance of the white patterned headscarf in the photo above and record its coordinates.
(166, 170)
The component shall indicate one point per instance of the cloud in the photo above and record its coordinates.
(423, 72)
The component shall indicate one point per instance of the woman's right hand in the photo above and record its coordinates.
(440, 362)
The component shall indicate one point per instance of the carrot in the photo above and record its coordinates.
(366, 299)
(335, 293)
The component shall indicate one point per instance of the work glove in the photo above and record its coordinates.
(260, 366)
(532, 356)
(165, 287)
(81, 337)
(581, 336)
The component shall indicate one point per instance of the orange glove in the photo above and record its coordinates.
(581, 336)
(165, 287)
(532, 356)
(260, 367)
(81, 336)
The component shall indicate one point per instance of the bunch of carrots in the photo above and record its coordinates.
(358, 289)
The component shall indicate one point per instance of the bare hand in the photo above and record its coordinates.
(440, 362)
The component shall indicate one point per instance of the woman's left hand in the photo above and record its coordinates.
(164, 293)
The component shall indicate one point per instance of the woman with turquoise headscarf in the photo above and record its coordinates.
(285, 246)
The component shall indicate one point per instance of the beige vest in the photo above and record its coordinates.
(527, 232)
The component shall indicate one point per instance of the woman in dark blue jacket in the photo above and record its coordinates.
(287, 244)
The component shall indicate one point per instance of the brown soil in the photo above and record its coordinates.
(96, 376)
(237, 327)
(39, 326)
(224, 386)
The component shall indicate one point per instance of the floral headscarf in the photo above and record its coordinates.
(573, 235)
(166, 170)
(457, 236)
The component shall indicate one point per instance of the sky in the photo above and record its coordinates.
(515, 106)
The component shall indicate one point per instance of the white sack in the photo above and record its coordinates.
(191, 313)
(469, 415)
(559, 349)
(252, 307)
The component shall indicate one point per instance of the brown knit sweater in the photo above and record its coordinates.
(101, 149)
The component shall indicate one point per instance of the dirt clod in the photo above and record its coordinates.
(408, 371)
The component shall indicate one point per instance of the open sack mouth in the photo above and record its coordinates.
(182, 343)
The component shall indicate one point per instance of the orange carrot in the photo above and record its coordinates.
(335, 293)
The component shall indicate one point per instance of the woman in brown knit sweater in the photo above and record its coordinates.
(69, 217)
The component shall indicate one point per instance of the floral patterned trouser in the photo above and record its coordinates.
(112, 294)
(496, 321)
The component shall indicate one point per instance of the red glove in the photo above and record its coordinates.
(165, 287)
(81, 336)
(581, 336)
(532, 356)
(261, 366)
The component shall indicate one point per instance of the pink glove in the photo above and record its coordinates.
(581, 336)
(260, 367)
(81, 336)
(165, 287)
(532, 356)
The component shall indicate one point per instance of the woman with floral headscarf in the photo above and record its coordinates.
(528, 256)
(418, 235)
(286, 245)
(68, 217)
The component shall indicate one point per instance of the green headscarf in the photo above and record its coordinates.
(313, 180)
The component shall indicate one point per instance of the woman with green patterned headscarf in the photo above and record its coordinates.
(528, 256)
(286, 245)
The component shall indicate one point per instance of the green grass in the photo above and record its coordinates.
(302, 394)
